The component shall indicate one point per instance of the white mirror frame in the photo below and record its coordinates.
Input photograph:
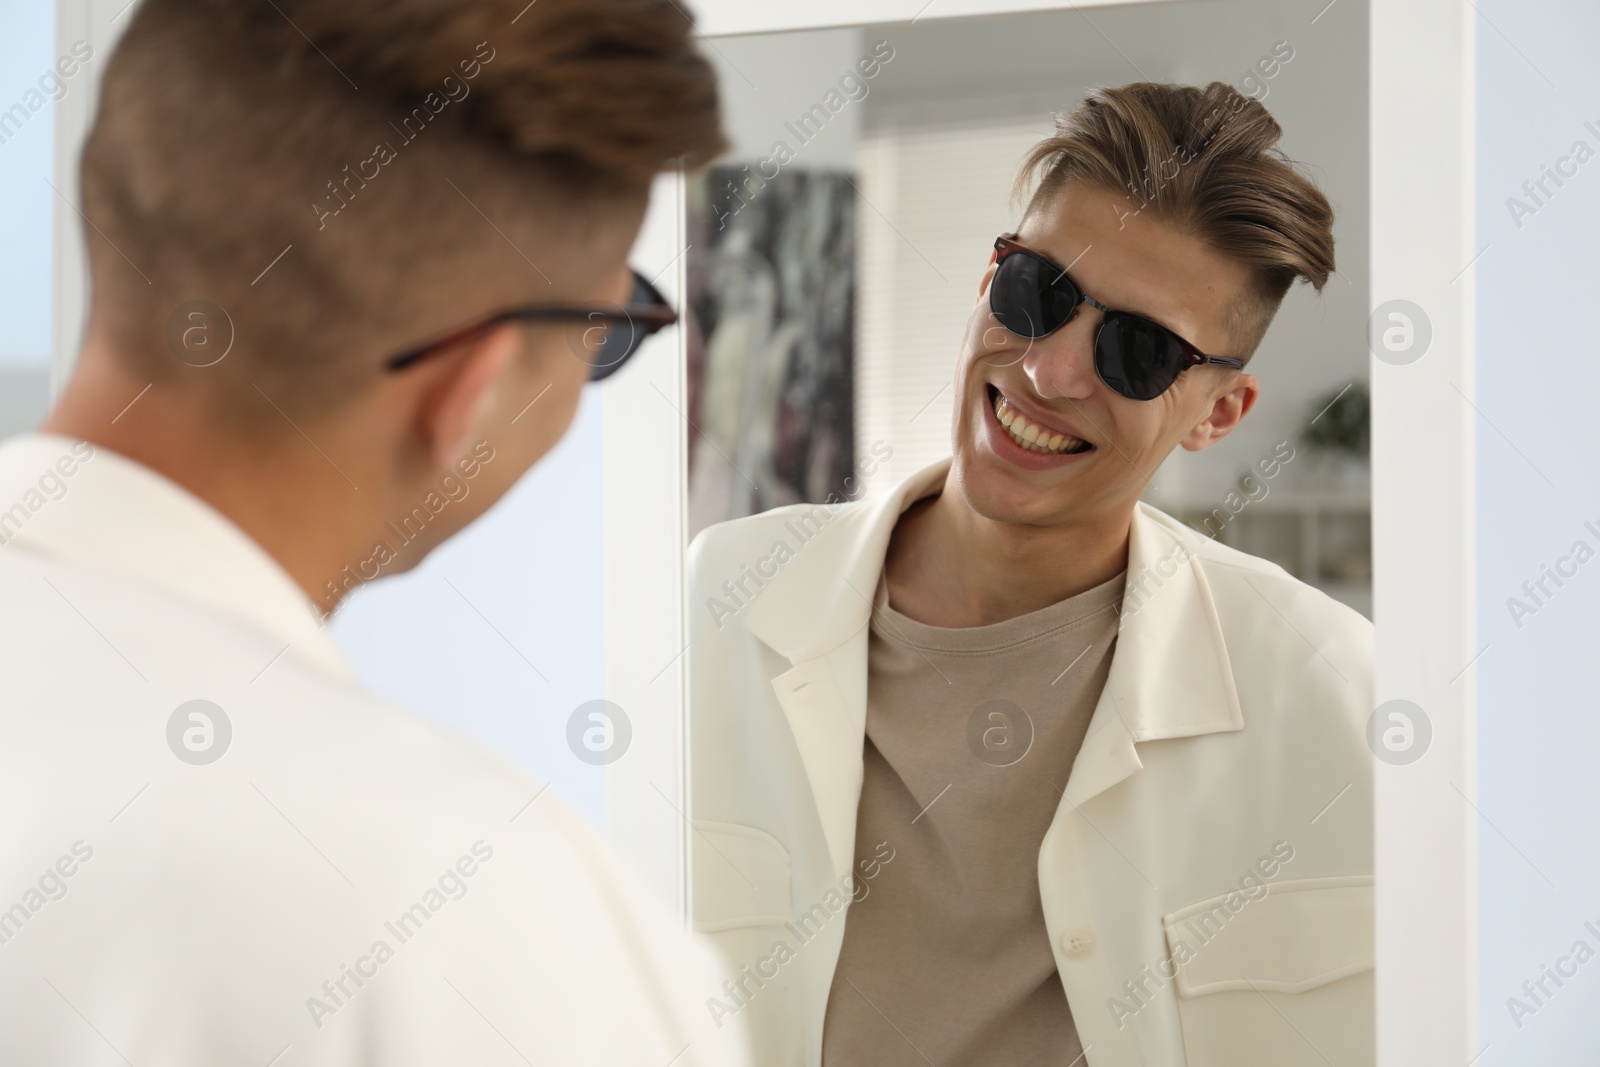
(1422, 136)
(1424, 456)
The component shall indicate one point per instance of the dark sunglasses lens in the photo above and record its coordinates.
(1029, 297)
(608, 344)
(1137, 358)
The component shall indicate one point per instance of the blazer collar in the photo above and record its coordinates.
(119, 517)
(1170, 677)
(824, 595)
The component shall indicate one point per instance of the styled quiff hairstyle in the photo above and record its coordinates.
(401, 165)
(1205, 162)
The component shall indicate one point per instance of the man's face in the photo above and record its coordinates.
(1130, 263)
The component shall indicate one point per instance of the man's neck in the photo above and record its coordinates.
(299, 508)
(949, 566)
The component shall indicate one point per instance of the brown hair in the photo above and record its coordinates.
(412, 163)
(1204, 161)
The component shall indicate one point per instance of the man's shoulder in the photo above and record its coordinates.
(765, 540)
(760, 530)
(337, 820)
(1244, 588)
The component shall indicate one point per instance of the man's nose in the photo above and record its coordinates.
(1061, 364)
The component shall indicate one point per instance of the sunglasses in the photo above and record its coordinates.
(1139, 359)
(614, 334)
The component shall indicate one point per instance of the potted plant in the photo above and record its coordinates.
(1338, 434)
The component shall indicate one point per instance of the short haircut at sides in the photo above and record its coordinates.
(409, 163)
(1205, 162)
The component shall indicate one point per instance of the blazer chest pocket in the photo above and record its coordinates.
(741, 877)
(1284, 980)
(741, 897)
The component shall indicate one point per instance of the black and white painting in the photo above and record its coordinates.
(771, 295)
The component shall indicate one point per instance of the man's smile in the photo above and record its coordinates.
(1031, 432)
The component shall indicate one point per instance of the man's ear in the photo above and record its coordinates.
(455, 404)
(1228, 409)
(988, 272)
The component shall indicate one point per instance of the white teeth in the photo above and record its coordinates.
(1033, 437)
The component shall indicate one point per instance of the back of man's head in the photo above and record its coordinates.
(347, 179)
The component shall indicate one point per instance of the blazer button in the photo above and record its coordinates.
(1077, 943)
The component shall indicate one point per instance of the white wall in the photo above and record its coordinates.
(770, 80)
(98, 23)
(27, 53)
(1538, 486)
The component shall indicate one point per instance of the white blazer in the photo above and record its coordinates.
(343, 885)
(1207, 879)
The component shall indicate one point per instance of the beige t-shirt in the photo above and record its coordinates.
(971, 733)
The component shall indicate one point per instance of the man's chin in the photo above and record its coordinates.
(1000, 492)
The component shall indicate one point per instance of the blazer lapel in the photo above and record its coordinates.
(815, 614)
(828, 728)
(1170, 675)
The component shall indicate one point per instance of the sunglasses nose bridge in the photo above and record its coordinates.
(1085, 298)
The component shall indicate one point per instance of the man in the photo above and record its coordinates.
(346, 258)
(1004, 766)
